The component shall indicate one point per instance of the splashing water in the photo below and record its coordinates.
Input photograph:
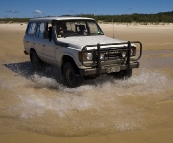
(98, 107)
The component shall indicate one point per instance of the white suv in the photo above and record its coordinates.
(79, 47)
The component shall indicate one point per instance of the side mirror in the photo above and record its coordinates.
(46, 35)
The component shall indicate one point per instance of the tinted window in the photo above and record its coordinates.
(31, 28)
(40, 29)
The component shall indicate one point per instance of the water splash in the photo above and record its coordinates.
(98, 107)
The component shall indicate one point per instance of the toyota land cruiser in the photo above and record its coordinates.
(79, 47)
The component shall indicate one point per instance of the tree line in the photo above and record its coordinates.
(159, 17)
(166, 17)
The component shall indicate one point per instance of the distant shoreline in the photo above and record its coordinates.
(161, 17)
(115, 23)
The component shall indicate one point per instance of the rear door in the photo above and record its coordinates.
(38, 41)
(45, 47)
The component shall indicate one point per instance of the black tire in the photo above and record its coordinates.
(36, 62)
(70, 76)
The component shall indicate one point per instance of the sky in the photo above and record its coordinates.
(41, 8)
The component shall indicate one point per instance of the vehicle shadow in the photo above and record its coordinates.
(26, 70)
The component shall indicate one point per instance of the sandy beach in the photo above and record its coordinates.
(38, 108)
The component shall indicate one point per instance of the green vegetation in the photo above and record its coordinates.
(164, 17)
(14, 20)
(159, 17)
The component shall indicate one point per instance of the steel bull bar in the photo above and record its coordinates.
(97, 53)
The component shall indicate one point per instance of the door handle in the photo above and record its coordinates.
(44, 45)
(34, 43)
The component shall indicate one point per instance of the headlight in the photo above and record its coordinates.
(89, 56)
(123, 54)
(131, 52)
(102, 56)
(85, 56)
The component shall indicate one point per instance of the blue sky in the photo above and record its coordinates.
(33, 8)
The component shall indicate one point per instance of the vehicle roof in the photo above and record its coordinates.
(49, 19)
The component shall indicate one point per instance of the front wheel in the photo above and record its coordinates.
(71, 79)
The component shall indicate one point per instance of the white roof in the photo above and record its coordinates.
(60, 18)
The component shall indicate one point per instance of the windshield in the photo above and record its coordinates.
(77, 28)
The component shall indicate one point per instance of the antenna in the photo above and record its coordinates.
(113, 27)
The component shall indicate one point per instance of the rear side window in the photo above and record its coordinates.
(31, 28)
(40, 29)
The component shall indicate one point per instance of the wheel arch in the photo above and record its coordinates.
(67, 58)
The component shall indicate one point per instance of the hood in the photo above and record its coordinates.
(81, 41)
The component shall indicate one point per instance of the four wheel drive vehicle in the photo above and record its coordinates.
(79, 47)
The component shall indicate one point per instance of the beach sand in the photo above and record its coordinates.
(38, 108)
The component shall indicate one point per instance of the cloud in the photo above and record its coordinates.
(12, 11)
(38, 12)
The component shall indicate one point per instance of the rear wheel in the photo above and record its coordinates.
(36, 62)
(71, 78)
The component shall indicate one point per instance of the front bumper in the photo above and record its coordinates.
(103, 69)
(120, 63)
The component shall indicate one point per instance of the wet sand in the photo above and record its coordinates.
(38, 108)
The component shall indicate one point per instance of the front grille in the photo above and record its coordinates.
(110, 54)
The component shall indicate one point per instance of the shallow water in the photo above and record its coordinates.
(100, 106)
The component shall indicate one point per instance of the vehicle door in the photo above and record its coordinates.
(29, 36)
(46, 46)
(38, 41)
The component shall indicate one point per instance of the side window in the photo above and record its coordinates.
(31, 28)
(40, 29)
